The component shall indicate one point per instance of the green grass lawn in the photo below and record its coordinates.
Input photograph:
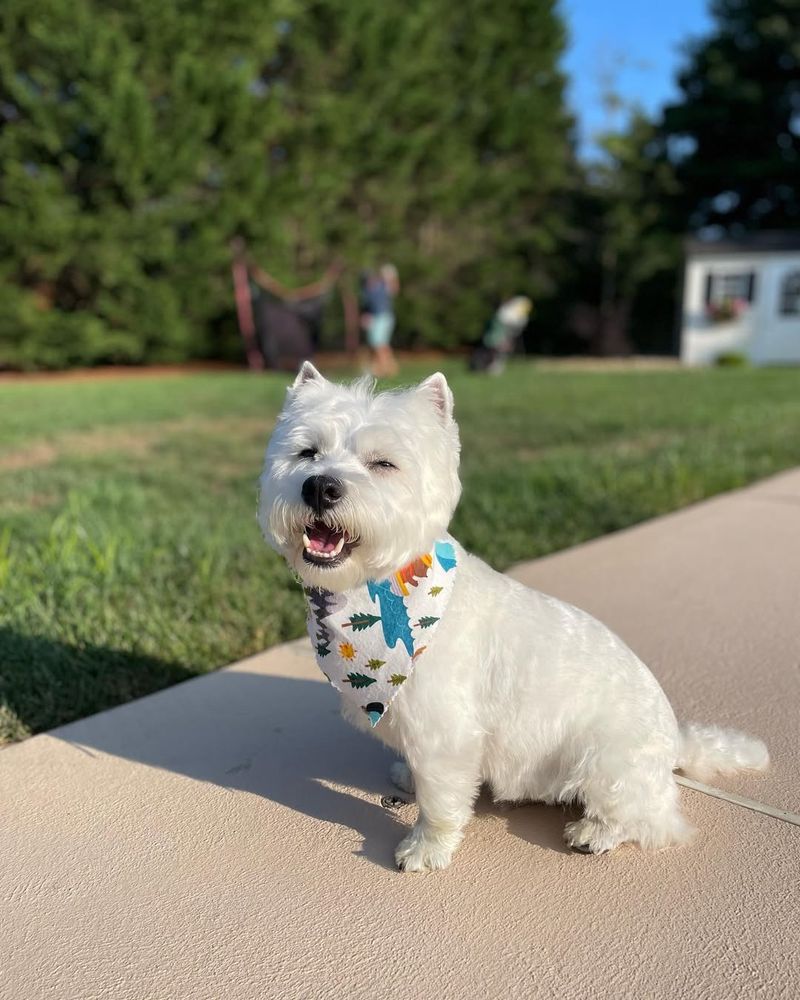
(129, 552)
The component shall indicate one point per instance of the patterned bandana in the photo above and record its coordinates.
(368, 640)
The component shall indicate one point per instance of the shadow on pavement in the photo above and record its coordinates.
(281, 738)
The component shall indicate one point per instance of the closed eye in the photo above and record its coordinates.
(382, 463)
(308, 453)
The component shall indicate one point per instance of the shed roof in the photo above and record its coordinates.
(765, 241)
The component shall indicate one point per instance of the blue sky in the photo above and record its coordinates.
(633, 43)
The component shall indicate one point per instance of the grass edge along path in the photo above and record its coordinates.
(129, 554)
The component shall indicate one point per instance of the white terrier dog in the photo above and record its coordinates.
(515, 689)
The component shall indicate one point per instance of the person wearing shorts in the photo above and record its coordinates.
(380, 288)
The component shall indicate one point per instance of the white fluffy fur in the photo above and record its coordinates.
(520, 691)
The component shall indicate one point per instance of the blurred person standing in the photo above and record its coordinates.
(377, 316)
(501, 335)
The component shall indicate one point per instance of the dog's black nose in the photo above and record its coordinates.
(322, 492)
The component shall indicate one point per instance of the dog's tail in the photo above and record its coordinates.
(709, 750)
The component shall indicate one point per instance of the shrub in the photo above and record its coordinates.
(732, 359)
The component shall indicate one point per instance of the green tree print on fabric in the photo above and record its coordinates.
(375, 647)
(358, 622)
(359, 680)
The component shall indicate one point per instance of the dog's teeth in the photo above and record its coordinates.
(339, 546)
(306, 541)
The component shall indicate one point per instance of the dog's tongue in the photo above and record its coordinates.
(322, 538)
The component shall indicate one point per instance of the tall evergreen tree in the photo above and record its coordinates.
(434, 136)
(626, 245)
(735, 132)
(131, 145)
(136, 138)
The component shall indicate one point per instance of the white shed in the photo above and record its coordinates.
(742, 296)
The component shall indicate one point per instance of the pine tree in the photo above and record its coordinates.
(360, 621)
(623, 242)
(360, 680)
(136, 140)
(131, 150)
(435, 136)
(734, 132)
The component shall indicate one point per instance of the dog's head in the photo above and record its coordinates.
(356, 485)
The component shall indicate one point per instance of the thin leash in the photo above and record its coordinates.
(739, 800)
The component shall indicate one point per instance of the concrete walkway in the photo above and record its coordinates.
(225, 839)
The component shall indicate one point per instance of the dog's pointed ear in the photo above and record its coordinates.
(307, 373)
(436, 389)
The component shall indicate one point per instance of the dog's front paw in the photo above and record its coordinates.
(420, 851)
(401, 777)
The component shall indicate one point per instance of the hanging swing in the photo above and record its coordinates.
(280, 326)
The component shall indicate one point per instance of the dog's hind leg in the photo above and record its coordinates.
(446, 792)
(640, 805)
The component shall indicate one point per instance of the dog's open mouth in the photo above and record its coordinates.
(324, 545)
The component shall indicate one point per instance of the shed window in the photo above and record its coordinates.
(730, 287)
(790, 294)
